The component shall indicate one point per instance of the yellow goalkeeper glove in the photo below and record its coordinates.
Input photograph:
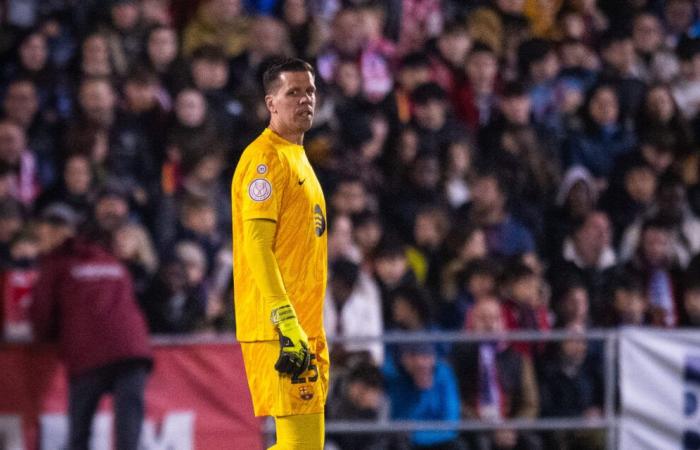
(294, 356)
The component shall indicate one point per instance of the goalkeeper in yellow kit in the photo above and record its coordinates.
(280, 264)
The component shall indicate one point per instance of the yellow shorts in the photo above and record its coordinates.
(277, 395)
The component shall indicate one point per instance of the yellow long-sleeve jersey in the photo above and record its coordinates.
(275, 181)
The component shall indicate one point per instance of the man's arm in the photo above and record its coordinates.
(258, 243)
(42, 310)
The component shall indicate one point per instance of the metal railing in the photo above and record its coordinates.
(608, 422)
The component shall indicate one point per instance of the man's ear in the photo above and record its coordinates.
(270, 103)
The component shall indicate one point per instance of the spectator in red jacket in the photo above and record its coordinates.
(84, 299)
(523, 308)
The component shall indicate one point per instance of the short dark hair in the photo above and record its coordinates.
(531, 52)
(415, 60)
(141, 76)
(626, 280)
(427, 92)
(345, 271)
(657, 222)
(367, 374)
(514, 89)
(211, 53)
(272, 73)
(515, 272)
(417, 298)
(614, 36)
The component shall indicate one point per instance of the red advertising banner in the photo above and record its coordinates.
(197, 398)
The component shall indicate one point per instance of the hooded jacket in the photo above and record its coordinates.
(84, 298)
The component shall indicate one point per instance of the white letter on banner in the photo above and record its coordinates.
(176, 433)
(54, 432)
(11, 437)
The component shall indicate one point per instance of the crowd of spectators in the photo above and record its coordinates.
(488, 165)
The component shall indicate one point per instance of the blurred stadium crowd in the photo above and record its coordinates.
(488, 165)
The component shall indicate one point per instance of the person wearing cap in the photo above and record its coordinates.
(423, 387)
(84, 299)
(54, 224)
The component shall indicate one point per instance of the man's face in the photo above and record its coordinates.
(391, 269)
(77, 175)
(33, 52)
(604, 107)
(631, 306)
(487, 194)
(292, 104)
(517, 109)
(111, 213)
(98, 100)
(348, 32)
(420, 367)
(656, 245)
(455, 46)
(621, 55)
(8, 227)
(269, 36)
(21, 103)
(363, 396)
(190, 108)
(640, 184)
(574, 351)
(647, 33)
(96, 50)
(592, 239)
(51, 235)
(482, 68)
(487, 316)
(426, 173)
(125, 15)
(209, 75)
(575, 305)
(431, 115)
(162, 46)
(527, 290)
(226, 10)
(350, 197)
(140, 96)
(349, 79)
(12, 142)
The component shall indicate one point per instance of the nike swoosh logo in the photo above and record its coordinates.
(301, 181)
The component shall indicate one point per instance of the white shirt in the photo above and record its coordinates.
(361, 316)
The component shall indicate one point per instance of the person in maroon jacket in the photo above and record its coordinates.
(84, 299)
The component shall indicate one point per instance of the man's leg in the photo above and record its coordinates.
(300, 432)
(84, 395)
(128, 392)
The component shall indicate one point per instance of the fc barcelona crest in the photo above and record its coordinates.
(306, 393)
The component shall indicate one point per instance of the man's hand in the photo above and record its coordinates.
(294, 356)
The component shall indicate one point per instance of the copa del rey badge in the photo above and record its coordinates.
(260, 189)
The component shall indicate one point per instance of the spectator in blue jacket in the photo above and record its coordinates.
(601, 137)
(423, 387)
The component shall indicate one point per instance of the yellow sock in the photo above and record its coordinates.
(300, 432)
